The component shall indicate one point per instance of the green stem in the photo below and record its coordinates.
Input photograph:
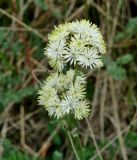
(73, 146)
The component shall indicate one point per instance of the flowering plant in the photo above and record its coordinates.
(72, 47)
(77, 43)
(63, 94)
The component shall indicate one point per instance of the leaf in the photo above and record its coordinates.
(89, 151)
(12, 153)
(57, 155)
(131, 139)
(15, 96)
(129, 31)
(2, 36)
(41, 4)
(17, 47)
(106, 60)
(131, 27)
(117, 72)
(57, 14)
(126, 59)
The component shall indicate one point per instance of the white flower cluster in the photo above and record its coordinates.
(76, 43)
(73, 45)
(64, 94)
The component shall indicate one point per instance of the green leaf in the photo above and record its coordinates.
(126, 59)
(15, 96)
(17, 47)
(51, 128)
(118, 73)
(12, 153)
(106, 60)
(2, 36)
(131, 139)
(89, 151)
(131, 27)
(129, 31)
(57, 155)
(41, 4)
(57, 14)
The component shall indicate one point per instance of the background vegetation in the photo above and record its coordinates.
(26, 131)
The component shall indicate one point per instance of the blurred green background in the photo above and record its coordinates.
(26, 131)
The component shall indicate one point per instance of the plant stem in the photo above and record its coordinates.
(73, 146)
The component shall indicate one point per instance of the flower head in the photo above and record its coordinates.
(64, 94)
(90, 58)
(75, 43)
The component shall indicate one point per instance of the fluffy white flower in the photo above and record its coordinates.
(55, 111)
(62, 94)
(76, 46)
(81, 27)
(71, 56)
(90, 58)
(80, 78)
(97, 39)
(48, 96)
(53, 80)
(68, 42)
(56, 49)
(60, 32)
(57, 64)
(82, 110)
(68, 104)
(77, 91)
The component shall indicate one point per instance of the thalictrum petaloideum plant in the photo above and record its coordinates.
(73, 47)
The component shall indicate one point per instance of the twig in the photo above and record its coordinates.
(70, 8)
(80, 9)
(124, 137)
(22, 126)
(22, 24)
(26, 5)
(94, 140)
(21, 8)
(115, 109)
(23, 29)
(114, 139)
(29, 150)
(4, 130)
(115, 23)
(22, 133)
(99, 9)
(95, 96)
(28, 116)
(5, 114)
(34, 75)
(102, 108)
(43, 150)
